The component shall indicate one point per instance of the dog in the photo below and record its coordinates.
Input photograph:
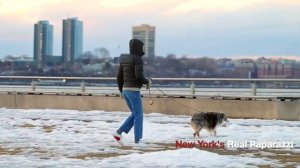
(207, 120)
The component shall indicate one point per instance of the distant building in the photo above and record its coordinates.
(72, 41)
(43, 42)
(52, 60)
(275, 69)
(246, 68)
(11, 58)
(145, 33)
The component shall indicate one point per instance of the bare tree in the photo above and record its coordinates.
(102, 52)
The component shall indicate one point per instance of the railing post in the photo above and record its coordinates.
(33, 86)
(254, 91)
(82, 86)
(193, 87)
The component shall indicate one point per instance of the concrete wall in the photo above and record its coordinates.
(286, 110)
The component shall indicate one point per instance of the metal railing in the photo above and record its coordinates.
(192, 90)
(158, 79)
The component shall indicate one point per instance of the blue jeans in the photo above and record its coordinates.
(134, 102)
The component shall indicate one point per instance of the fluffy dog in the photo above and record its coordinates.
(207, 120)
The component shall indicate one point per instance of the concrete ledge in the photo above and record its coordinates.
(264, 109)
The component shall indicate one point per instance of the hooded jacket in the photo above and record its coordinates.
(131, 75)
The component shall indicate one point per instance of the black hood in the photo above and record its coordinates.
(136, 47)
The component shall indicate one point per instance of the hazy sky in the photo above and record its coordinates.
(213, 28)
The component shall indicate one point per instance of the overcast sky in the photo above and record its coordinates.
(215, 28)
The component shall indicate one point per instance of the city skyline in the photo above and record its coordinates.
(145, 33)
(43, 42)
(72, 40)
(217, 28)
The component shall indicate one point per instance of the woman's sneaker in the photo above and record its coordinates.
(117, 138)
(140, 144)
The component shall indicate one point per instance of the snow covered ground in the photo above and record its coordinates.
(69, 138)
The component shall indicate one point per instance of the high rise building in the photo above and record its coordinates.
(43, 42)
(145, 33)
(72, 41)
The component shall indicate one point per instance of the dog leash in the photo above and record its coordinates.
(172, 98)
(151, 100)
